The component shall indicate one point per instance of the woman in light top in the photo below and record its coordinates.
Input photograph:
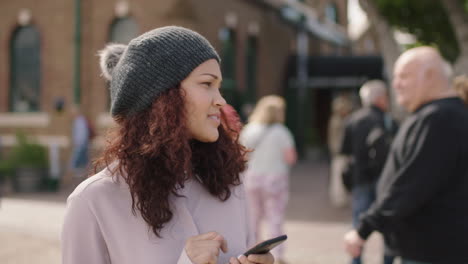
(170, 190)
(341, 108)
(267, 176)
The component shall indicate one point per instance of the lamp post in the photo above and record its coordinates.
(298, 19)
(302, 50)
(77, 54)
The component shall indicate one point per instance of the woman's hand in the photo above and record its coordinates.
(290, 156)
(253, 259)
(204, 248)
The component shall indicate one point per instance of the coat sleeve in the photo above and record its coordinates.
(82, 240)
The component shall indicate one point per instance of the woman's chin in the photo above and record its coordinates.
(208, 137)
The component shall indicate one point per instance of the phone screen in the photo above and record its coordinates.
(265, 246)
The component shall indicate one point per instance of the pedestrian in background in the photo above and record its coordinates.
(267, 175)
(341, 108)
(423, 191)
(366, 143)
(461, 86)
(81, 141)
(170, 191)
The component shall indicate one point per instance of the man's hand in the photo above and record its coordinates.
(353, 243)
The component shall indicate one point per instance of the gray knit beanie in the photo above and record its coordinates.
(151, 64)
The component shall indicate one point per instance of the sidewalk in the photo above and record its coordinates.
(315, 229)
(30, 224)
(30, 229)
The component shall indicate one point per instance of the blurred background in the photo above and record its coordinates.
(308, 51)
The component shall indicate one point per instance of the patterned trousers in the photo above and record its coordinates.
(268, 203)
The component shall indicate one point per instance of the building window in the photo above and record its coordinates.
(228, 53)
(123, 30)
(251, 68)
(331, 12)
(25, 72)
(369, 46)
(227, 37)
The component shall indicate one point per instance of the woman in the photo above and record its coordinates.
(341, 108)
(81, 139)
(267, 176)
(170, 191)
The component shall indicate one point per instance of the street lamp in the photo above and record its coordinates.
(292, 15)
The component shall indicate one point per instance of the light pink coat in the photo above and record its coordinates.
(100, 228)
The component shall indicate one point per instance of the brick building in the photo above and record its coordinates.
(48, 52)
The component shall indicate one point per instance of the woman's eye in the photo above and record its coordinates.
(206, 83)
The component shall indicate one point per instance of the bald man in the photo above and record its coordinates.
(422, 194)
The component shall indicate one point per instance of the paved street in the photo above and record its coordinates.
(30, 224)
(29, 230)
(315, 228)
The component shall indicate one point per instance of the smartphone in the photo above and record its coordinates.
(266, 246)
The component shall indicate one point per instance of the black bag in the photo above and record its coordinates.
(347, 175)
(378, 145)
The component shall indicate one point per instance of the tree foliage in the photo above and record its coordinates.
(427, 20)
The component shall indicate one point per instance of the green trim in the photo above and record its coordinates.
(250, 95)
(77, 55)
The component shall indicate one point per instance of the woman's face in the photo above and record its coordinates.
(204, 101)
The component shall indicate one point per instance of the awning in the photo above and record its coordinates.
(334, 66)
(338, 71)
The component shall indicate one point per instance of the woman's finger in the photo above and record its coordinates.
(244, 260)
(261, 258)
(233, 260)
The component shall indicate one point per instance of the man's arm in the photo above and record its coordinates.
(425, 168)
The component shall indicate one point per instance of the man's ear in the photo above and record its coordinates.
(429, 74)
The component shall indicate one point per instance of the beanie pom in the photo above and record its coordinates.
(109, 57)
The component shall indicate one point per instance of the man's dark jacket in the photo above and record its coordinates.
(422, 197)
(365, 131)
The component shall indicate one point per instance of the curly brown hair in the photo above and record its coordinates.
(156, 156)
